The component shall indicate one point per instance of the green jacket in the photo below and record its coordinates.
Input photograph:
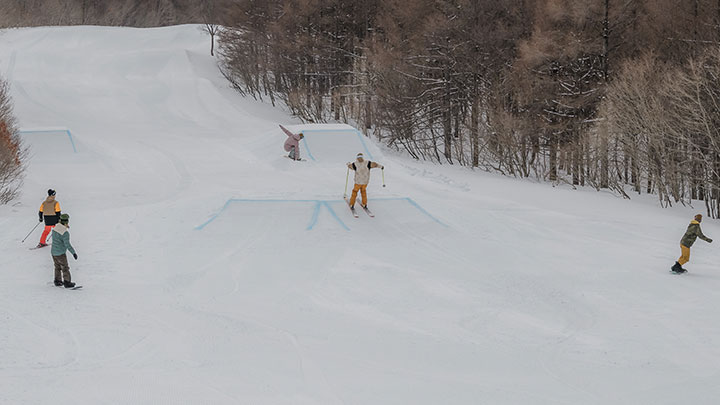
(693, 232)
(61, 241)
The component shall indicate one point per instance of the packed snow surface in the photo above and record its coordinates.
(218, 271)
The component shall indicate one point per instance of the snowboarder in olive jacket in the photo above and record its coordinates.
(61, 244)
(693, 232)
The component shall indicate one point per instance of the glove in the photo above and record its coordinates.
(75, 256)
(382, 167)
(709, 240)
(40, 219)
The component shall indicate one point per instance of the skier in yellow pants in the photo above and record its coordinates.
(362, 178)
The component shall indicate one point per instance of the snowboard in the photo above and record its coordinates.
(77, 287)
(296, 160)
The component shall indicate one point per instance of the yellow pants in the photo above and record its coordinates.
(685, 257)
(362, 188)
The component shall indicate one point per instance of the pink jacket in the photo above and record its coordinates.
(292, 140)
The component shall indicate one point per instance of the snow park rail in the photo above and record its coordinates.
(319, 204)
(319, 131)
(49, 131)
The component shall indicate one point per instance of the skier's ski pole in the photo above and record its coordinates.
(383, 173)
(33, 230)
(347, 176)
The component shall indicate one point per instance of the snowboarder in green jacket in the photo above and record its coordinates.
(693, 232)
(61, 244)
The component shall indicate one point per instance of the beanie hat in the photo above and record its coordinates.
(51, 192)
(64, 218)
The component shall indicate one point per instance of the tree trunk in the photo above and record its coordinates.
(606, 41)
(447, 135)
(696, 37)
(576, 163)
(635, 175)
(604, 156)
(717, 20)
(552, 149)
(368, 112)
(447, 126)
(626, 163)
(474, 131)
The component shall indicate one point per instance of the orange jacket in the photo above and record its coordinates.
(50, 210)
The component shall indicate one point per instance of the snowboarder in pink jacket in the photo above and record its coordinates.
(292, 144)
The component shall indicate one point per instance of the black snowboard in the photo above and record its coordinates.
(77, 287)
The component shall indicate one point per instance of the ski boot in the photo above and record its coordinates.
(677, 268)
(40, 245)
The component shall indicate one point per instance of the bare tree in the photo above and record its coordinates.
(135, 13)
(212, 30)
(556, 89)
(210, 16)
(667, 121)
(12, 152)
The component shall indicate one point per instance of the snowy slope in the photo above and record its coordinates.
(217, 271)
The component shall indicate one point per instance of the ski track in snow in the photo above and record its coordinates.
(523, 293)
(67, 341)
